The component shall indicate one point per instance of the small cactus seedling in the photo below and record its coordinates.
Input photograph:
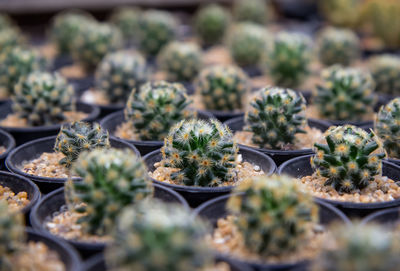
(350, 160)
(345, 94)
(273, 215)
(385, 70)
(77, 137)
(275, 117)
(9, 38)
(111, 180)
(127, 20)
(203, 152)
(255, 11)
(222, 88)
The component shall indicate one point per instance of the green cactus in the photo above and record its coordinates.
(5, 21)
(157, 28)
(222, 88)
(338, 46)
(288, 62)
(111, 180)
(203, 153)
(350, 160)
(275, 117)
(345, 94)
(273, 215)
(77, 137)
(10, 38)
(343, 13)
(385, 70)
(127, 20)
(255, 11)
(120, 72)
(180, 60)
(387, 127)
(156, 108)
(42, 98)
(211, 23)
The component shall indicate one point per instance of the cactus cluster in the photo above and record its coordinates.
(222, 88)
(275, 116)
(385, 70)
(344, 13)
(127, 20)
(156, 107)
(120, 72)
(345, 94)
(273, 214)
(9, 38)
(255, 11)
(111, 180)
(203, 153)
(350, 160)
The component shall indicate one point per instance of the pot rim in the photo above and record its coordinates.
(370, 218)
(10, 143)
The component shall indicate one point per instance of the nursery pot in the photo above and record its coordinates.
(196, 195)
(279, 156)
(33, 149)
(81, 84)
(300, 167)
(62, 60)
(25, 134)
(388, 217)
(53, 202)
(8, 142)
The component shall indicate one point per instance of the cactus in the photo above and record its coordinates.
(9, 38)
(343, 13)
(222, 88)
(288, 62)
(203, 153)
(350, 160)
(273, 215)
(5, 21)
(338, 46)
(275, 117)
(77, 137)
(120, 72)
(157, 28)
(42, 98)
(345, 94)
(385, 70)
(180, 60)
(111, 180)
(255, 11)
(211, 23)
(127, 20)
(156, 108)
(387, 127)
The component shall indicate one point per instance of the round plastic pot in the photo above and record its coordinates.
(252, 71)
(223, 116)
(8, 142)
(197, 195)
(53, 202)
(33, 149)
(25, 134)
(61, 61)
(280, 156)
(216, 209)
(388, 217)
(82, 84)
(112, 121)
(300, 167)
(366, 125)
(394, 161)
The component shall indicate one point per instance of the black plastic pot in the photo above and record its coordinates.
(112, 121)
(53, 202)
(82, 84)
(216, 209)
(61, 61)
(394, 161)
(366, 124)
(8, 142)
(25, 134)
(197, 195)
(35, 148)
(388, 217)
(300, 167)
(223, 116)
(252, 71)
(279, 156)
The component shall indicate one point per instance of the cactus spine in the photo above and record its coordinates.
(385, 70)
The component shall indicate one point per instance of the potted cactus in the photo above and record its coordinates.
(127, 20)
(342, 13)
(10, 37)
(253, 11)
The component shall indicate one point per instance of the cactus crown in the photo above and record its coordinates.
(273, 214)
(255, 11)
(77, 137)
(127, 20)
(42, 98)
(275, 117)
(385, 70)
(120, 72)
(387, 127)
(9, 38)
(203, 152)
(346, 94)
(111, 180)
(222, 88)
(351, 158)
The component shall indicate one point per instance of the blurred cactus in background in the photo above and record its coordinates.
(344, 13)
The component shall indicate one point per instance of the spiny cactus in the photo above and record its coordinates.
(127, 20)
(156, 107)
(350, 160)
(274, 214)
(255, 11)
(288, 62)
(338, 46)
(387, 127)
(275, 117)
(345, 94)
(77, 137)
(42, 98)
(180, 60)
(5, 21)
(203, 152)
(222, 88)
(9, 38)
(385, 70)
(344, 13)
(111, 180)
(120, 72)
